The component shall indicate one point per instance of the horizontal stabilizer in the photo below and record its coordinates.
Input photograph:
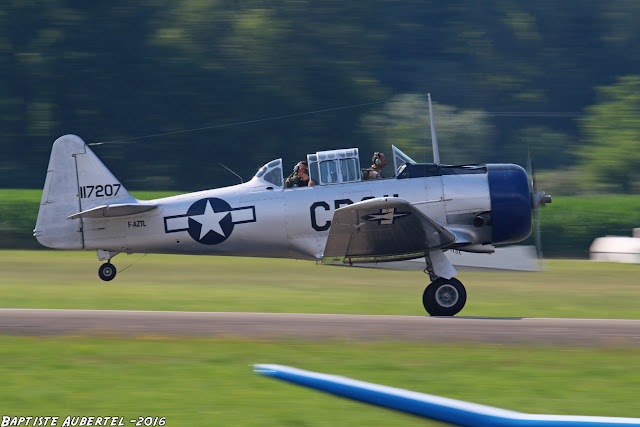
(381, 230)
(115, 210)
(456, 412)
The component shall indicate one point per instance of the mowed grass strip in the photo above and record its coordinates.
(61, 279)
(210, 382)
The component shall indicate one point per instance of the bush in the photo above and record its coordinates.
(568, 225)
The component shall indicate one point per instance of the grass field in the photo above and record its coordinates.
(209, 381)
(58, 279)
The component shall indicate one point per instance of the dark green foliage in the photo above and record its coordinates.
(612, 129)
(570, 224)
(121, 70)
(18, 213)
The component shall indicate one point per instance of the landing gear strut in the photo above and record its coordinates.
(107, 271)
(444, 297)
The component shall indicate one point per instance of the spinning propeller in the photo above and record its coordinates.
(538, 199)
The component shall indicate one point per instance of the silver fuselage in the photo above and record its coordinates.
(284, 223)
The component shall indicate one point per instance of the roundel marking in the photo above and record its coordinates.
(210, 221)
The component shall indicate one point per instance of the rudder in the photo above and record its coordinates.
(76, 180)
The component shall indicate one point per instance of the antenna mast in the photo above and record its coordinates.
(434, 139)
(241, 180)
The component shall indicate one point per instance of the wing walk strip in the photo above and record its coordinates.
(456, 412)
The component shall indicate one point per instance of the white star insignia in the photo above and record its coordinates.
(210, 221)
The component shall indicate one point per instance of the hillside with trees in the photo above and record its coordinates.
(562, 78)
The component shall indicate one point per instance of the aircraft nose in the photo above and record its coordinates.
(511, 203)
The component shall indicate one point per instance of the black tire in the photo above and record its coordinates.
(107, 271)
(444, 297)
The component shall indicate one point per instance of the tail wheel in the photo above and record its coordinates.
(444, 297)
(107, 271)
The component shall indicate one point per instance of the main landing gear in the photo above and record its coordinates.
(443, 297)
(107, 271)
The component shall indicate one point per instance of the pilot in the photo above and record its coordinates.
(378, 161)
(299, 177)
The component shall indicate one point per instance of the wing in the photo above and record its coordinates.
(383, 229)
(114, 210)
(456, 412)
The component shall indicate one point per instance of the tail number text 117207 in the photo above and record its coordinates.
(106, 190)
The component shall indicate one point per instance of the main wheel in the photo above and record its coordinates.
(107, 271)
(444, 297)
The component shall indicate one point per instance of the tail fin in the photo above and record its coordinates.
(76, 180)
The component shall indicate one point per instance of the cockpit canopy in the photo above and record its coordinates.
(271, 173)
(334, 166)
(328, 167)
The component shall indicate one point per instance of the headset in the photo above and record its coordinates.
(296, 168)
(376, 159)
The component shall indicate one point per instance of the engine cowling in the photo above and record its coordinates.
(510, 202)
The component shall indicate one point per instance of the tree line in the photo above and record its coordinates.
(561, 78)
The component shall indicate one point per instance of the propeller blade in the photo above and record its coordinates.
(538, 199)
(536, 233)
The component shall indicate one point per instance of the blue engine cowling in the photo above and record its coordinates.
(510, 203)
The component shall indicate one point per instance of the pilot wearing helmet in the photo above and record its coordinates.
(378, 161)
(299, 177)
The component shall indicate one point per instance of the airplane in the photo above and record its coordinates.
(419, 212)
(451, 411)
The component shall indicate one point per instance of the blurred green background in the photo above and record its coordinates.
(562, 79)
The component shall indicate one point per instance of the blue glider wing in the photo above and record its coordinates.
(456, 412)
